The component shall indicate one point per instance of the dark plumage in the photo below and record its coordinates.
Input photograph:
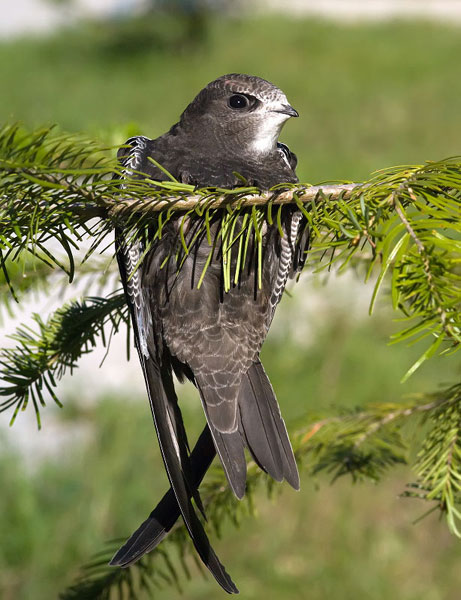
(211, 336)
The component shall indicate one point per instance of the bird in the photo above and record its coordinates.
(211, 334)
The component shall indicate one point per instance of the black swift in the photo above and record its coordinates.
(208, 334)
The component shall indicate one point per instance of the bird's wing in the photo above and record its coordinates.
(173, 445)
(160, 521)
(162, 398)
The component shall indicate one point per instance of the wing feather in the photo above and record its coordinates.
(162, 398)
(160, 521)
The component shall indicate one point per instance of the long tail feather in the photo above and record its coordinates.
(171, 456)
(263, 427)
(229, 446)
(160, 521)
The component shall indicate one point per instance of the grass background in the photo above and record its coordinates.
(369, 96)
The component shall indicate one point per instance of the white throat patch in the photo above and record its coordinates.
(264, 143)
(266, 136)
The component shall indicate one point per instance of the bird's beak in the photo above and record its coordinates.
(286, 109)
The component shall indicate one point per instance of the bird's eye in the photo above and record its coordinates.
(238, 101)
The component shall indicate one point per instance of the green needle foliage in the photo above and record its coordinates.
(60, 198)
(31, 368)
(438, 463)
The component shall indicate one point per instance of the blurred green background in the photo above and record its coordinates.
(369, 96)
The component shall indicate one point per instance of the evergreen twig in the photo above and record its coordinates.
(31, 368)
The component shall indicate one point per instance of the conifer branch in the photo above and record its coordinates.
(30, 369)
(438, 463)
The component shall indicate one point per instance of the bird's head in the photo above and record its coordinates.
(241, 111)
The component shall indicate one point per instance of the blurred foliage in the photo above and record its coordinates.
(374, 95)
(174, 26)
